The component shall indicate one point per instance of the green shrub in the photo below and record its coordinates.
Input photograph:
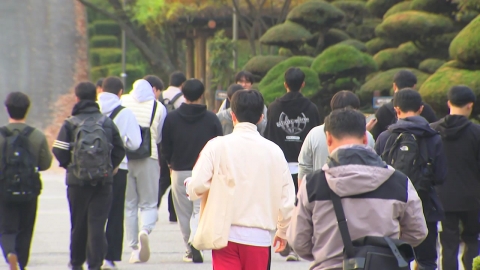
(103, 42)
(341, 61)
(476, 263)
(91, 30)
(334, 36)
(105, 56)
(430, 65)
(285, 52)
(107, 27)
(390, 58)
(377, 44)
(357, 44)
(379, 7)
(288, 35)
(279, 69)
(434, 90)
(364, 31)
(316, 14)
(133, 73)
(465, 47)
(383, 82)
(413, 25)
(354, 10)
(98, 72)
(412, 54)
(434, 6)
(397, 8)
(259, 65)
(276, 88)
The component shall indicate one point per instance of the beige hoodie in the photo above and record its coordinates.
(374, 205)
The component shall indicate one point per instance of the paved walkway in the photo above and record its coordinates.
(51, 239)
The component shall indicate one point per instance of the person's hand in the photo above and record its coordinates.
(282, 244)
(115, 171)
(371, 124)
(185, 183)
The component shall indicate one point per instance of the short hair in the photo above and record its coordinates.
(193, 89)
(17, 104)
(154, 81)
(407, 100)
(99, 82)
(232, 89)
(86, 91)
(112, 85)
(405, 79)
(344, 99)
(248, 76)
(461, 95)
(177, 78)
(294, 78)
(346, 122)
(247, 105)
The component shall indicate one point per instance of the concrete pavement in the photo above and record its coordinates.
(50, 248)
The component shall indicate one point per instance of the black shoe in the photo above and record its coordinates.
(197, 255)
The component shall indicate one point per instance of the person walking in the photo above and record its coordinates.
(91, 149)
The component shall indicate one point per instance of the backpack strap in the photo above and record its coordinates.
(160, 98)
(27, 131)
(153, 112)
(5, 132)
(390, 145)
(175, 98)
(116, 111)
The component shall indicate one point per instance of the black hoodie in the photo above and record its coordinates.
(461, 140)
(290, 118)
(185, 132)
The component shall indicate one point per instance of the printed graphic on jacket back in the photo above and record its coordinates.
(293, 127)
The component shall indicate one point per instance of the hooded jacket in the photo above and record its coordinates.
(140, 102)
(290, 119)
(461, 140)
(374, 202)
(185, 133)
(225, 117)
(419, 127)
(125, 121)
(61, 147)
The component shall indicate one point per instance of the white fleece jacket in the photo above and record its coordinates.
(125, 121)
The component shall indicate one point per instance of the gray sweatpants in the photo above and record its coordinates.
(187, 211)
(141, 194)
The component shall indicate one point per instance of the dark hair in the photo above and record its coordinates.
(112, 85)
(154, 81)
(247, 106)
(177, 78)
(86, 91)
(405, 78)
(232, 89)
(193, 89)
(244, 75)
(99, 82)
(17, 104)
(461, 95)
(344, 99)
(346, 123)
(408, 100)
(294, 78)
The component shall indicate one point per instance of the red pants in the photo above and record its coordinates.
(241, 257)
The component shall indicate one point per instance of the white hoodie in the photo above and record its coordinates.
(125, 121)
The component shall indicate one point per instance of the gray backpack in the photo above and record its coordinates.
(169, 104)
(91, 150)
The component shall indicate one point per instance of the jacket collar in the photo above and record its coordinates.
(245, 127)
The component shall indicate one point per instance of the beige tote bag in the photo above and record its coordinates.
(215, 213)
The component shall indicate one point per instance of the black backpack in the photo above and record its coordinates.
(20, 179)
(169, 104)
(145, 149)
(91, 150)
(409, 154)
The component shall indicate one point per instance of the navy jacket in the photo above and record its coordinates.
(419, 127)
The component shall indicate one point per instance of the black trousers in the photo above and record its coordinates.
(115, 222)
(16, 229)
(451, 236)
(165, 182)
(89, 209)
(426, 252)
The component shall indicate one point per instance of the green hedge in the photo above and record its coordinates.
(354, 11)
(390, 58)
(397, 8)
(279, 69)
(105, 56)
(287, 35)
(434, 6)
(259, 65)
(315, 14)
(103, 42)
(430, 65)
(379, 7)
(364, 31)
(466, 45)
(377, 44)
(357, 44)
(334, 36)
(107, 27)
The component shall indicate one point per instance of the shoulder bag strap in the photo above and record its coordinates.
(116, 111)
(175, 98)
(153, 112)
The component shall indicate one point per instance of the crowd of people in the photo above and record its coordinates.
(250, 174)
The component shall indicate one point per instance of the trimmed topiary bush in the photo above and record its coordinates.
(280, 68)
(465, 46)
(397, 8)
(357, 44)
(103, 42)
(107, 27)
(430, 65)
(276, 88)
(377, 44)
(91, 30)
(341, 61)
(316, 14)
(334, 36)
(413, 25)
(105, 56)
(285, 52)
(379, 7)
(434, 6)
(364, 31)
(288, 35)
(354, 11)
(390, 58)
(259, 65)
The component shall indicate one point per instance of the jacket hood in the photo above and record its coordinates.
(225, 114)
(355, 169)
(294, 100)
(452, 126)
(416, 125)
(108, 102)
(142, 91)
(192, 112)
(85, 106)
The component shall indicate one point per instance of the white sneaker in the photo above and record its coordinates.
(109, 265)
(135, 257)
(188, 257)
(293, 257)
(144, 249)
